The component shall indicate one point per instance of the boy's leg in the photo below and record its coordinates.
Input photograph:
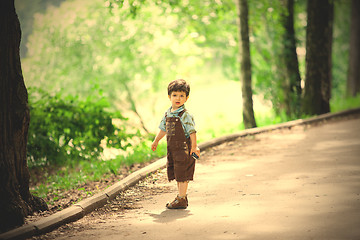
(181, 201)
(182, 188)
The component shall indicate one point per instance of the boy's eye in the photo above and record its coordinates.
(178, 95)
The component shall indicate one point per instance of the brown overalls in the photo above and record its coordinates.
(180, 165)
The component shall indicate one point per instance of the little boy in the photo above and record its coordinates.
(179, 127)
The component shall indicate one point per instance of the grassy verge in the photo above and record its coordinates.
(75, 175)
(338, 105)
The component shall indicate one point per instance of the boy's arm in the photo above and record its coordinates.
(158, 137)
(194, 147)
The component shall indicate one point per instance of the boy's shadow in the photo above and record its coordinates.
(170, 215)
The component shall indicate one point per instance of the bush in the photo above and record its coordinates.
(64, 129)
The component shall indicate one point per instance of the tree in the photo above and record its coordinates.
(292, 84)
(16, 202)
(269, 69)
(245, 65)
(353, 81)
(318, 57)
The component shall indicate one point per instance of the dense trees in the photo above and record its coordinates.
(16, 202)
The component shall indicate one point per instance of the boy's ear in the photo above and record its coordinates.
(187, 98)
(169, 97)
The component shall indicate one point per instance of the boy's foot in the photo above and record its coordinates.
(178, 203)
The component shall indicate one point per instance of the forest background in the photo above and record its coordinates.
(97, 74)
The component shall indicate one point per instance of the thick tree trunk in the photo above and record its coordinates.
(353, 82)
(16, 202)
(318, 57)
(245, 64)
(292, 85)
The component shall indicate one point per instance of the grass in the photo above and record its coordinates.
(67, 178)
(339, 104)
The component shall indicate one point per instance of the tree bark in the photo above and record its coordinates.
(353, 81)
(318, 57)
(292, 84)
(16, 202)
(245, 65)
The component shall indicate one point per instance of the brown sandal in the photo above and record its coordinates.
(178, 203)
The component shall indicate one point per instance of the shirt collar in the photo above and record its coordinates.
(177, 111)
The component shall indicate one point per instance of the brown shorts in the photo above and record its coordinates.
(180, 165)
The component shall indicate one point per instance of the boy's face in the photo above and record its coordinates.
(177, 99)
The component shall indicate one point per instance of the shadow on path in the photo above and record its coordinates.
(167, 215)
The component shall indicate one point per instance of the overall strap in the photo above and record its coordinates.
(181, 113)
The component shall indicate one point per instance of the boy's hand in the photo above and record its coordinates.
(158, 137)
(195, 150)
(154, 145)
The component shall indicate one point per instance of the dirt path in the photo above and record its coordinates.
(288, 184)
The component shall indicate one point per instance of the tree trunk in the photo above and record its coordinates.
(133, 106)
(292, 85)
(16, 202)
(245, 65)
(353, 82)
(318, 57)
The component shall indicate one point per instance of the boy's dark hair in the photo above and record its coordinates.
(179, 85)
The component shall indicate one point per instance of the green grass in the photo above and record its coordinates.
(338, 104)
(67, 178)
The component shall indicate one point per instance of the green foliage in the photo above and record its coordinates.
(267, 51)
(85, 40)
(26, 11)
(340, 104)
(213, 27)
(65, 129)
(340, 48)
(140, 45)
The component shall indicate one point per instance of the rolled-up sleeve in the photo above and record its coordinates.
(188, 124)
(162, 125)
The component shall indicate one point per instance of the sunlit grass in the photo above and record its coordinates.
(67, 178)
(340, 104)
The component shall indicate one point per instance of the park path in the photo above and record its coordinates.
(302, 183)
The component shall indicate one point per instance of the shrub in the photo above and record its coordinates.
(64, 129)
